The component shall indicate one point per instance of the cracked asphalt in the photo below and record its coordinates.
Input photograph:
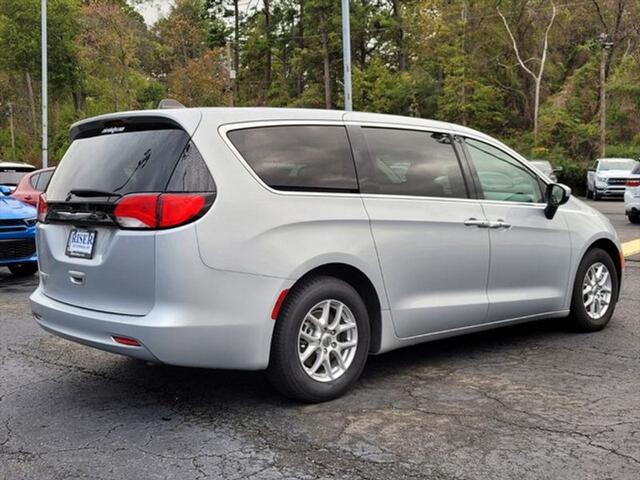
(534, 401)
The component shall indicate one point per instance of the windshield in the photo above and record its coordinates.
(616, 165)
(120, 163)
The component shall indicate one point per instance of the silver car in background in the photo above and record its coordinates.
(301, 241)
(545, 167)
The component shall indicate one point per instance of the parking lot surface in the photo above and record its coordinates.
(528, 402)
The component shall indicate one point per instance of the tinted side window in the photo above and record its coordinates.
(410, 162)
(191, 173)
(33, 180)
(43, 180)
(309, 157)
(501, 176)
(636, 169)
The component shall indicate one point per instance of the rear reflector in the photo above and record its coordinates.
(160, 210)
(126, 341)
(278, 305)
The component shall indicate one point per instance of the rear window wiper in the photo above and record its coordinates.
(91, 193)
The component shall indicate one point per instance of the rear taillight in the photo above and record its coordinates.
(137, 211)
(633, 183)
(42, 207)
(160, 210)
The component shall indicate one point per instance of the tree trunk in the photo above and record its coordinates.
(536, 108)
(32, 103)
(267, 34)
(300, 79)
(397, 14)
(603, 103)
(236, 51)
(326, 62)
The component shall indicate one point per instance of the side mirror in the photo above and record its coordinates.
(4, 190)
(557, 194)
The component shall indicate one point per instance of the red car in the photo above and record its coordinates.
(32, 184)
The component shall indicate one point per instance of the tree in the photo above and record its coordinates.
(536, 76)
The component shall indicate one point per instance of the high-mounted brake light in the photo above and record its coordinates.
(159, 210)
(633, 183)
(42, 207)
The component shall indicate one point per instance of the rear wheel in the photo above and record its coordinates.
(595, 292)
(634, 218)
(23, 269)
(320, 342)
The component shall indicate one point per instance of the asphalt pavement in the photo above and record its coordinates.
(528, 402)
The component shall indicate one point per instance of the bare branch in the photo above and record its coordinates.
(515, 44)
(546, 40)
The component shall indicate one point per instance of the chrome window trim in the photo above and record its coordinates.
(224, 130)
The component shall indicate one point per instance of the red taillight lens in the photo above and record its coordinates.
(155, 210)
(42, 207)
(139, 210)
(179, 208)
(633, 183)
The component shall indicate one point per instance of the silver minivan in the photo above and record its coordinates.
(301, 241)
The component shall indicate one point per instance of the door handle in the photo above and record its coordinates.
(499, 224)
(474, 222)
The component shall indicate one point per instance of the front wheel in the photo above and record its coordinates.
(595, 292)
(634, 218)
(23, 269)
(320, 342)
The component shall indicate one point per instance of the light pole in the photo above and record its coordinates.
(45, 136)
(346, 52)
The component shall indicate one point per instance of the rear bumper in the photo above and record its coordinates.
(233, 332)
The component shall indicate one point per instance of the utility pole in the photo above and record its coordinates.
(236, 52)
(346, 53)
(606, 46)
(45, 134)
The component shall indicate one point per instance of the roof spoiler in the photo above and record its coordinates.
(167, 103)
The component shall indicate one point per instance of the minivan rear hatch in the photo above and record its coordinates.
(86, 258)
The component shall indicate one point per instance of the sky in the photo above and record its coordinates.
(152, 10)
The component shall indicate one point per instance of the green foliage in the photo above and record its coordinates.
(429, 58)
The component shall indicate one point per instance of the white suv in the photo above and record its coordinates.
(632, 195)
(301, 241)
(607, 177)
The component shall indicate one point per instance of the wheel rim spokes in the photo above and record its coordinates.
(596, 290)
(327, 340)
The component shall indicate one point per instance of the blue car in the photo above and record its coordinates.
(17, 235)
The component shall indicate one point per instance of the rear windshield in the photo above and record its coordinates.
(13, 175)
(120, 163)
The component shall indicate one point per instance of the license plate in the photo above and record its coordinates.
(81, 243)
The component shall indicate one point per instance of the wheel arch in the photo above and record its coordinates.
(614, 252)
(365, 288)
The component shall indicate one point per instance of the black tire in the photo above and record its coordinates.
(634, 218)
(579, 317)
(23, 269)
(285, 371)
(596, 195)
(588, 195)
